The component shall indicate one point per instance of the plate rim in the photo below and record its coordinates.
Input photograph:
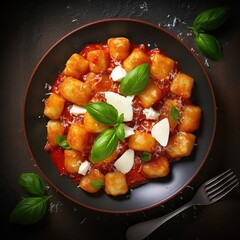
(211, 141)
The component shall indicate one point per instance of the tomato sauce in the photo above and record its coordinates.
(57, 83)
(99, 84)
(57, 156)
(134, 176)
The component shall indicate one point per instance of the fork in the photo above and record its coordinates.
(208, 193)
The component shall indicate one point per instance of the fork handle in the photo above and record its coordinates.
(141, 230)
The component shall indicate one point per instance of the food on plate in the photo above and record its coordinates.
(118, 115)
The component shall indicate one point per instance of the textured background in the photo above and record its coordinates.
(29, 29)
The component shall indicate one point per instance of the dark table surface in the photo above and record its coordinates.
(29, 30)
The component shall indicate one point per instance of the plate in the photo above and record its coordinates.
(153, 193)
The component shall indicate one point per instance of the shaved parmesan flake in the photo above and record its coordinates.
(121, 103)
(130, 98)
(84, 167)
(125, 163)
(128, 130)
(77, 110)
(118, 73)
(160, 131)
(150, 113)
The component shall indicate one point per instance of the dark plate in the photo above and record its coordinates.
(182, 172)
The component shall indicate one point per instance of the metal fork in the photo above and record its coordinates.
(208, 193)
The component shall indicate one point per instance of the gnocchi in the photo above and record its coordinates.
(182, 85)
(156, 168)
(150, 95)
(54, 129)
(77, 136)
(161, 65)
(131, 153)
(116, 183)
(76, 66)
(54, 106)
(87, 181)
(72, 160)
(75, 91)
(119, 48)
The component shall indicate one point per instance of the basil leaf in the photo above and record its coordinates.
(211, 19)
(120, 132)
(120, 118)
(146, 156)
(97, 183)
(102, 112)
(29, 210)
(175, 113)
(209, 46)
(62, 142)
(32, 184)
(136, 80)
(104, 145)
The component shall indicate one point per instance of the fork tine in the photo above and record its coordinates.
(214, 199)
(213, 181)
(214, 187)
(220, 185)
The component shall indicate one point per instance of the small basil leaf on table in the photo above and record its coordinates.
(32, 184)
(209, 46)
(29, 210)
(104, 145)
(211, 19)
(136, 80)
(206, 21)
(102, 112)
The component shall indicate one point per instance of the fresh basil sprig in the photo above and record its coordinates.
(102, 112)
(209, 46)
(211, 19)
(120, 119)
(32, 184)
(120, 132)
(136, 80)
(106, 143)
(30, 209)
(206, 21)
